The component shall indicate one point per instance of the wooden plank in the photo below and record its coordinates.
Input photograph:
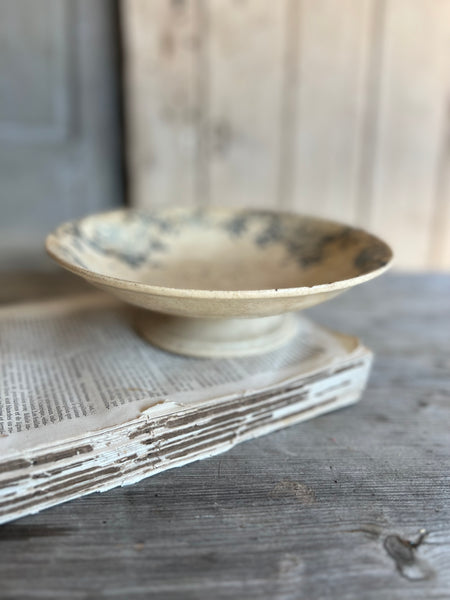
(289, 109)
(439, 251)
(325, 509)
(370, 113)
(162, 42)
(246, 49)
(414, 91)
(333, 55)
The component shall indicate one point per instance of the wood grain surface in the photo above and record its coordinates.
(332, 508)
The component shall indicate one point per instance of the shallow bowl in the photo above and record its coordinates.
(203, 275)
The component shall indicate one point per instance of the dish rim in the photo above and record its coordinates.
(148, 288)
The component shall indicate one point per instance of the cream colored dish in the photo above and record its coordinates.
(217, 281)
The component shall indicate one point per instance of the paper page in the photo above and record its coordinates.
(70, 367)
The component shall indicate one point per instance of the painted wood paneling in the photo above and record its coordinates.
(246, 52)
(336, 108)
(59, 132)
(439, 254)
(164, 98)
(203, 123)
(412, 121)
(333, 52)
(34, 63)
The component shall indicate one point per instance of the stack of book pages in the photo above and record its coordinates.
(86, 405)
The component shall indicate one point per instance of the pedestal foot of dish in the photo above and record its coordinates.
(216, 337)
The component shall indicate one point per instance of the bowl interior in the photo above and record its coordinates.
(217, 249)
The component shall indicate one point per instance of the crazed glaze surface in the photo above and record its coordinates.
(218, 262)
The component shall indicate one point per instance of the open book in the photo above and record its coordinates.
(86, 405)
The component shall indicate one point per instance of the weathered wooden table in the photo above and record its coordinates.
(331, 508)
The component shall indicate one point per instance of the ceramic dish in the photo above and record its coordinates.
(217, 281)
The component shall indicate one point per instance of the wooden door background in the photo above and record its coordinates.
(339, 108)
(59, 126)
